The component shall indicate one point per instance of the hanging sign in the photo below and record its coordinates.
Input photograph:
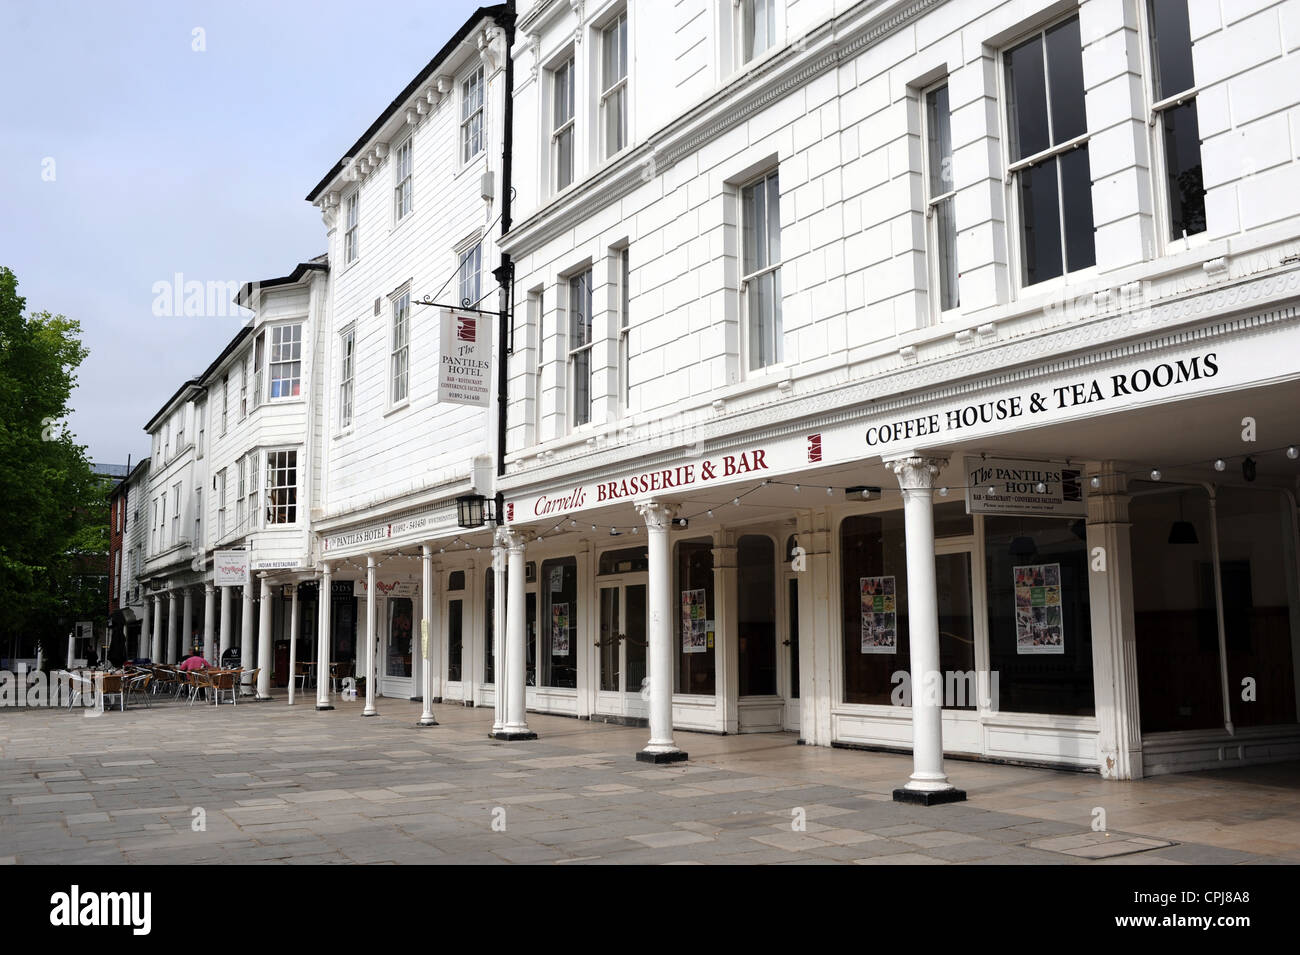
(465, 359)
(1007, 486)
(230, 568)
(1039, 627)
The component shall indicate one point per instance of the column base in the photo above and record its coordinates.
(320, 707)
(929, 797)
(376, 713)
(511, 736)
(675, 756)
(421, 724)
(262, 699)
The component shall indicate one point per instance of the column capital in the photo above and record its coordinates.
(507, 538)
(208, 587)
(917, 472)
(657, 516)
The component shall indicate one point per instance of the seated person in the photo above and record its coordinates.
(194, 662)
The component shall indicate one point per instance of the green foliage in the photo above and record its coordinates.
(53, 509)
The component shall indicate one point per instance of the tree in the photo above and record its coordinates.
(53, 509)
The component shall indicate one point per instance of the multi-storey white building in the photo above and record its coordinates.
(858, 342)
(413, 214)
(170, 512)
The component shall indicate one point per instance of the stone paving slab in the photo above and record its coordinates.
(280, 784)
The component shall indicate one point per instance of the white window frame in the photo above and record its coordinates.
(469, 284)
(473, 125)
(254, 522)
(566, 127)
(198, 517)
(748, 280)
(221, 504)
(257, 369)
(579, 290)
(747, 13)
(351, 223)
(281, 461)
(294, 331)
(614, 31)
(539, 313)
(934, 203)
(399, 349)
(162, 521)
(200, 422)
(623, 298)
(1053, 152)
(176, 513)
(347, 376)
(404, 179)
(180, 430)
(225, 402)
(241, 467)
(1158, 110)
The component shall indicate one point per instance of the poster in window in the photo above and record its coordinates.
(560, 630)
(695, 627)
(879, 615)
(1040, 627)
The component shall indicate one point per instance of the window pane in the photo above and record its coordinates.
(582, 386)
(773, 212)
(1183, 168)
(1040, 224)
(1076, 201)
(1256, 547)
(1026, 99)
(455, 622)
(873, 584)
(696, 664)
(946, 241)
(616, 121)
(756, 614)
(939, 131)
(564, 159)
(1175, 625)
(1037, 677)
(1065, 61)
(559, 623)
(1171, 47)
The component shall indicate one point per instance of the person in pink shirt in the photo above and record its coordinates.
(195, 662)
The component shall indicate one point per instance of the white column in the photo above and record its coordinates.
(293, 639)
(157, 654)
(209, 603)
(323, 641)
(187, 627)
(499, 676)
(173, 628)
(264, 657)
(515, 649)
(427, 633)
(371, 674)
(929, 784)
(246, 642)
(661, 748)
(146, 630)
(224, 645)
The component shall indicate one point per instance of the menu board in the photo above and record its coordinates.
(1039, 624)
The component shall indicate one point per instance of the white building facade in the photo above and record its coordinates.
(857, 343)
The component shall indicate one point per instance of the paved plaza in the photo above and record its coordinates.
(272, 783)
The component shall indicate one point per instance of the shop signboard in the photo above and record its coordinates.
(1012, 486)
(230, 568)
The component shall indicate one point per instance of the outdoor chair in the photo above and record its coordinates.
(110, 684)
(138, 685)
(225, 681)
(200, 681)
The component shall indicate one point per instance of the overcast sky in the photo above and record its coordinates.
(127, 156)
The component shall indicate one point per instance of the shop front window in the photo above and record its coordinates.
(1040, 631)
(1258, 570)
(873, 585)
(399, 637)
(559, 623)
(455, 620)
(695, 614)
(1176, 626)
(490, 623)
(756, 614)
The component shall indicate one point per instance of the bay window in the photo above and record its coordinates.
(282, 487)
(286, 361)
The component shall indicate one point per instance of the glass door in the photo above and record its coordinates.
(957, 637)
(791, 647)
(621, 648)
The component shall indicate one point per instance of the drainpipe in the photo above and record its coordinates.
(504, 274)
